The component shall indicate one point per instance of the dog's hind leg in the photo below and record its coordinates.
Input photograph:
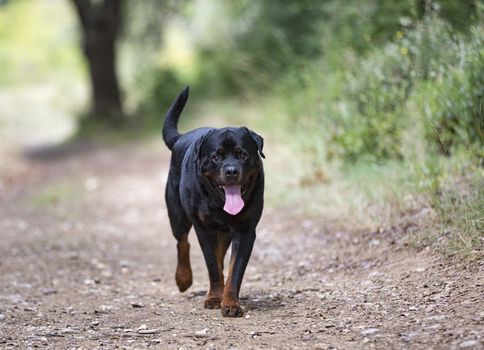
(183, 275)
(180, 226)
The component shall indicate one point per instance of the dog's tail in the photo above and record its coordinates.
(170, 130)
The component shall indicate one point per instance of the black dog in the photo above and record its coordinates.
(216, 184)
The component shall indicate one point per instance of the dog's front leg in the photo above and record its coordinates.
(242, 244)
(213, 248)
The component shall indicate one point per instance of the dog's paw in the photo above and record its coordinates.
(183, 278)
(212, 303)
(233, 310)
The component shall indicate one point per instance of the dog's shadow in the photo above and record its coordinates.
(263, 301)
(53, 152)
(252, 300)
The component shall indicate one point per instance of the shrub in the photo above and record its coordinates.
(159, 90)
(425, 58)
(377, 88)
(454, 111)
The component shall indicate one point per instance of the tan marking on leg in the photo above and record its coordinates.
(215, 294)
(230, 301)
(183, 274)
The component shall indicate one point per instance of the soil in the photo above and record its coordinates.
(87, 261)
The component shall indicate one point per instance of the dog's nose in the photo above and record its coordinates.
(231, 171)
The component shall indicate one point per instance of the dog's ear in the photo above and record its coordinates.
(198, 146)
(258, 140)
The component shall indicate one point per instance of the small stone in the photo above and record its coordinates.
(71, 255)
(202, 333)
(142, 327)
(118, 326)
(49, 291)
(104, 308)
(369, 331)
(106, 273)
(91, 183)
(247, 316)
(43, 340)
(94, 323)
(68, 331)
(148, 331)
(374, 242)
(468, 344)
(135, 305)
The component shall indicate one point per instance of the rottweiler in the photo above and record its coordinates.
(215, 184)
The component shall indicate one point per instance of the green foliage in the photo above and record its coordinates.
(378, 88)
(455, 101)
(32, 46)
(161, 89)
(255, 47)
(462, 14)
(427, 59)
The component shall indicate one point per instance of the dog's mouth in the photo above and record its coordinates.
(243, 188)
(233, 197)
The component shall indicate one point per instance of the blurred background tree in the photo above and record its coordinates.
(100, 24)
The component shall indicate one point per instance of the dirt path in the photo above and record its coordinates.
(87, 262)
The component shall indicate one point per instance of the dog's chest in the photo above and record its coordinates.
(211, 220)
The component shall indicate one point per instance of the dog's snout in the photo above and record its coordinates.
(231, 171)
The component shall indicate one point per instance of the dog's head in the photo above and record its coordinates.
(230, 159)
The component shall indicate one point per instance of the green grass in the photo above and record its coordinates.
(55, 194)
(456, 227)
(461, 216)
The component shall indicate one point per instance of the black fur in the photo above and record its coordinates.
(203, 161)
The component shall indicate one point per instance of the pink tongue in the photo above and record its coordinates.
(233, 199)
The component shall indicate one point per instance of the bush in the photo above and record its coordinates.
(161, 89)
(378, 89)
(425, 58)
(454, 111)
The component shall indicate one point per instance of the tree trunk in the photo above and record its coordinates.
(100, 24)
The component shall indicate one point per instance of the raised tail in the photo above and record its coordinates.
(170, 130)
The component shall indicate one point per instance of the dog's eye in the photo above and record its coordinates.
(216, 158)
(243, 156)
